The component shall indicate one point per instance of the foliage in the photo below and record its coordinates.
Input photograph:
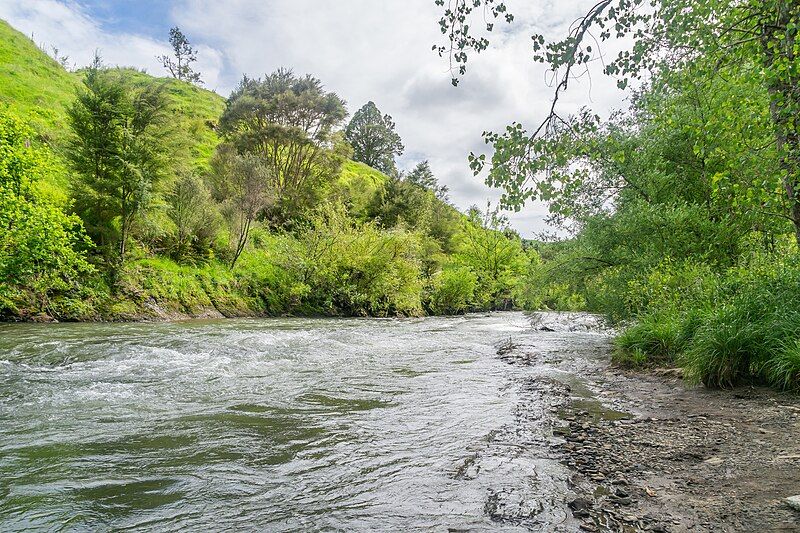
(373, 138)
(422, 176)
(755, 39)
(356, 269)
(41, 247)
(680, 209)
(241, 184)
(194, 216)
(494, 253)
(453, 291)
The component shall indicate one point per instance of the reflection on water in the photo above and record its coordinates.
(279, 424)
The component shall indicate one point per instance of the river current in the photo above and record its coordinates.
(281, 425)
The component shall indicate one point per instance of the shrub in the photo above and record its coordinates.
(750, 336)
(452, 291)
(355, 269)
(783, 370)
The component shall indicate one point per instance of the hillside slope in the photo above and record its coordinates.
(32, 84)
(37, 88)
(376, 247)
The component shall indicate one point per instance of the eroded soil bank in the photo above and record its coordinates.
(646, 452)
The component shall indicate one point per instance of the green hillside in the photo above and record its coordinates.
(35, 87)
(32, 84)
(348, 240)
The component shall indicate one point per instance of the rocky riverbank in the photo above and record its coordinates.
(646, 452)
(692, 460)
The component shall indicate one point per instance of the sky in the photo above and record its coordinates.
(363, 50)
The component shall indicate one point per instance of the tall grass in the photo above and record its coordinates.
(746, 331)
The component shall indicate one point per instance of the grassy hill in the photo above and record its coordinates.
(341, 260)
(37, 88)
(32, 84)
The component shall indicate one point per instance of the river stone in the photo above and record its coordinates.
(580, 507)
(794, 502)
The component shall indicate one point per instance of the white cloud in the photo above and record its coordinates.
(364, 50)
(69, 27)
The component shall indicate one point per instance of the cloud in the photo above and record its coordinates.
(364, 50)
(69, 27)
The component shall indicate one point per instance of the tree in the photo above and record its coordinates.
(373, 139)
(756, 36)
(179, 64)
(422, 176)
(290, 123)
(491, 250)
(118, 149)
(241, 183)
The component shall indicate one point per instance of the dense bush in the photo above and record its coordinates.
(453, 291)
(744, 327)
(356, 268)
(41, 257)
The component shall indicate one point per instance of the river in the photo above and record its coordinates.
(283, 424)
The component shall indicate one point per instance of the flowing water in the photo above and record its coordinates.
(280, 424)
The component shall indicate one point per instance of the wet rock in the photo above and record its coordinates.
(580, 507)
(793, 502)
(621, 500)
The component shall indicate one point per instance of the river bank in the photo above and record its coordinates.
(646, 452)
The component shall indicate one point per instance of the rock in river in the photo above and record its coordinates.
(794, 502)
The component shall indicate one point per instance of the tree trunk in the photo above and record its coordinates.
(123, 237)
(784, 92)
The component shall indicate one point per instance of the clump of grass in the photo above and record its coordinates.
(783, 370)
(723, 349)
(656, 339)
(753, 336)
(747, 331)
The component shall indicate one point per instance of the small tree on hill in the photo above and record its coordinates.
(291, 124)
(179, 64)
(422, 176)
(373, 138)
(243, 186)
